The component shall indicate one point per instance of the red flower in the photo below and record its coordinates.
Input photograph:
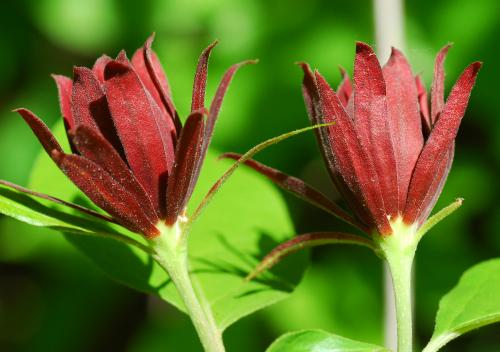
(131, 155)
(387, 154)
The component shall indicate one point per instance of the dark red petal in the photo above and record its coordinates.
(437, 90)
(303, 241)
(106, 193)
(94, 147)
(436, 186)
(300, 189)
(351, 161)
(200, 79)
(219, 97)
(310, 93)
(313, 106)
(214, 111)
(372, 126)
(64, 88)
(41, 131)
(59, 201)
(148, 68)
(424, 106)
(121, 58)
(439, 143)
(90, 107)
(181, 181)
(147, 144)
(160, 81)
(99, 67)
(404, 120)
(344, 91)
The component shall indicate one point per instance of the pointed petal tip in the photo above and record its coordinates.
(114, 68)
(302, 64)
(396, 53)
(249, 62)
(149, 42)
(446, 47)
(318, 75)
(229, 155)
(79, 70)
(476, 66)
(343, 72)
(210, 46)
(56, 76)
(122, 56)
(362, 47)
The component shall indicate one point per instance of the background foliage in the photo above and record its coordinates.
(54, 299)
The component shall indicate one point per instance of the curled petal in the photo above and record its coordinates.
(436, 186)
(300, 189)
(99, 67)
(214, 111)
(304, 241)
(64, 88)
(94, 147)
(181, 181)
(439, 143)
(41, 131)
(218, 98)
(106, 193)
(90, 106)
(247, 156)
(200, 79)
(437, 90)
(148, 68)
(344, 91)
(424, 106)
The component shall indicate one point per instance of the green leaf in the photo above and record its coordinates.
(471, 304)
(246, 219)
(26, 209)
(320, 341)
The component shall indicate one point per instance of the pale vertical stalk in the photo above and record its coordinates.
(389, 31)
(389, 27)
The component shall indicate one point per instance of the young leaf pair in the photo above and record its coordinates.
(130, 153)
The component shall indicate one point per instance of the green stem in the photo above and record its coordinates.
(171, 254)
(398, 250)
(400, 267)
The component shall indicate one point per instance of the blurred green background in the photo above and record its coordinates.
(54, 299)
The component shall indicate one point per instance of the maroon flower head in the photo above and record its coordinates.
(130, 153)
(387, 153)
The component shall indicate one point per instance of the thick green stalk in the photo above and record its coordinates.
(400, 267)
(172, 255)
(399, 251)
